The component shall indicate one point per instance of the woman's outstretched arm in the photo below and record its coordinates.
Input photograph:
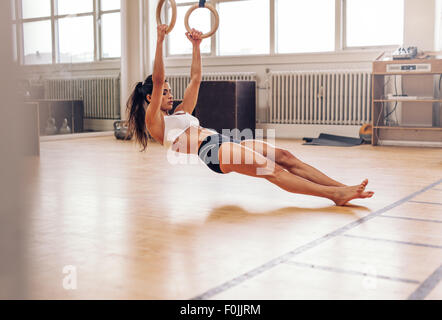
(191, 93)
(158, 77)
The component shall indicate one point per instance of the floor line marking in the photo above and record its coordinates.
(394, 241)
(339, 270)
(410, 218)
(427, 202)
(289, 255)
(427, 286)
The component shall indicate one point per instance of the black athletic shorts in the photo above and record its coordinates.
(208, 150)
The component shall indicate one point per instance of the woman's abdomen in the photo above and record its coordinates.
(190, 140)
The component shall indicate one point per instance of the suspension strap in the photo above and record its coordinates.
(202, 3)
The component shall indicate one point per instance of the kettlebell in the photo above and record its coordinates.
(51, 129)
(365, 133)
(65, 128)
(121, 130)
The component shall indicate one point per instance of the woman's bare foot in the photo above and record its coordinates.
(346, 194)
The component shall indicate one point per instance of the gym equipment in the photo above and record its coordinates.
(227, 105)
(73, 110)
(332, 141)
(64, 127)
(51, 129)
(365, 133)
(202, 4)
(173, 20)
(120, 130)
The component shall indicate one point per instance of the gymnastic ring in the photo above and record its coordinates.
(173, 20)
(211, 8)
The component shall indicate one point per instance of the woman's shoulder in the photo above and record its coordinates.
(156, 126)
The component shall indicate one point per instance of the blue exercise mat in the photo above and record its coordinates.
(333, 141)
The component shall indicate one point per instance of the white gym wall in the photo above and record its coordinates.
(421, 28)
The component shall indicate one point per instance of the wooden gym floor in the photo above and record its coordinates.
(137, 227)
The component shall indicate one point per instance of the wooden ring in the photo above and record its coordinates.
(211, 8)
(173, 20)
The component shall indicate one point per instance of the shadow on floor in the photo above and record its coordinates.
(239, 214)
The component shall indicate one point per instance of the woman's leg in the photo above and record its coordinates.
(288, 161)
(238, 158)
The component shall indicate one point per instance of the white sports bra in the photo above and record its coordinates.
(176, 124)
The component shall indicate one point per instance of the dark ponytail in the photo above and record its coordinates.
(136, 108)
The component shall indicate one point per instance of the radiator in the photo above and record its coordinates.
(329, 98)
(100, 95)
(179, 83)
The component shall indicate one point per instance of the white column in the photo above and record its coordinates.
(134, 47)
(420, 24)
(419, 31)
(438, 33)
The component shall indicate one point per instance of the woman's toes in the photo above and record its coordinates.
(368, 194)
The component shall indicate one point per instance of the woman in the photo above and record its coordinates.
(148, 109)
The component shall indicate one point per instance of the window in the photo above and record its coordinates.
(36, 8)
(303, 27)
(37, 42)
(374, 23)
(111, 35)
(249, 27)
(200, 19)
(74, 7)
(67, 31)
(235, 36)
(71, 46)
(109, 5)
